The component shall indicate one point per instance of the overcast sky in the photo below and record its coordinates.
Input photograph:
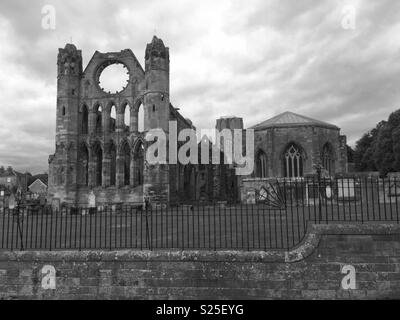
(252, 59)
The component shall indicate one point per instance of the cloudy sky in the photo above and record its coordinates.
(253, 59)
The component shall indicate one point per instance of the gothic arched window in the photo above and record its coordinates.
(99, 125)
(113, 165)
(127, 116)
(83, 168)
(293, 162)
(113, 118)
(84, 120)
(138, 164)
(126, 154)
(327, 159)
(261, 165)
(98, 154)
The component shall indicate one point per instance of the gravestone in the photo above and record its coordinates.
(346, 188)
(251, 197)
(92, 200)
(12, 202)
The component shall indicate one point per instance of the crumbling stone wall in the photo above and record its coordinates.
(313, 270)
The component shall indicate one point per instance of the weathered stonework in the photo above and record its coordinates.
(101, 155)
(311, 138)
(312, 270)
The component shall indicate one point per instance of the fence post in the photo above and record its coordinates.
(19, 229)
(319, 194)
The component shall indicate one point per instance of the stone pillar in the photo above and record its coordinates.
(132, 172)
(105, 178)
(92, 169)
(156, 113)
(106, 166)
(120, 125)
(134, 126)
(120, 171)
(85, 176)
(105, 117)
(134, 167)
(92, 123)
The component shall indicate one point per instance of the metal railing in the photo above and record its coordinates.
(277, 219)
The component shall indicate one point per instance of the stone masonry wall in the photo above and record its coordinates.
(312, 270)
(274, 141)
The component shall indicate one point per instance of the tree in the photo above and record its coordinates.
(387, 147)
(350, 154)
(379, 149)
(383, 151)
(363, 153)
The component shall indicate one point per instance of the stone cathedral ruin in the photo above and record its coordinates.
(99, 153)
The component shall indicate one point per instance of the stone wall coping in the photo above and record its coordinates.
(301, 251)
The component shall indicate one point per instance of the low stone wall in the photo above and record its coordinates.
(312, 270)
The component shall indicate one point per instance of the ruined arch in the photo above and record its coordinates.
(137, 116)
(83, 164)
(261, 169)
(125, 156)
(84, 119)
(112, 116)
(113, 163)
(138, 162)
(91, 162)
(98, 118)
(126, 115)
(97, 152)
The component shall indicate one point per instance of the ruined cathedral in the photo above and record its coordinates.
(101, 156)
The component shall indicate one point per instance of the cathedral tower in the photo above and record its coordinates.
(156, 115)
(62, 168)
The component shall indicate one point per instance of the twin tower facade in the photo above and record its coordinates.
(100, 158)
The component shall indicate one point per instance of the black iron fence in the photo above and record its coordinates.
(276, 218)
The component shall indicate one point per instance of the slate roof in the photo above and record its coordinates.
(291, 119)
(42, 177)
(37, 183)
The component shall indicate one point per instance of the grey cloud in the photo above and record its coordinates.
(298, 58)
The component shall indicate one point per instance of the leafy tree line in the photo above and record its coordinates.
(31, 178)
(8, 170)
(379, 149)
